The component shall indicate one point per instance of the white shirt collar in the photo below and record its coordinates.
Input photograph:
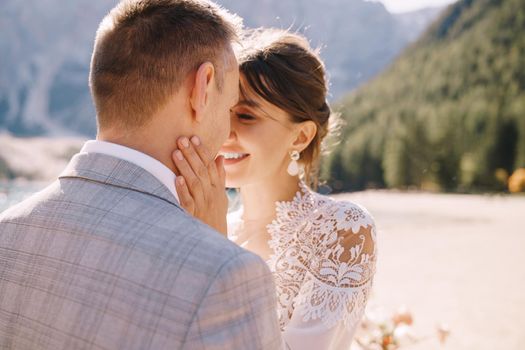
(150, 164)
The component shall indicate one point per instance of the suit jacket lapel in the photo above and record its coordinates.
(116, 172)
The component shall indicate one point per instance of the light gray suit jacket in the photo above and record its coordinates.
(104, 258)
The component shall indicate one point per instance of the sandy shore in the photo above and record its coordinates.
(457, 259)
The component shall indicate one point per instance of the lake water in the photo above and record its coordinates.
(13, 192)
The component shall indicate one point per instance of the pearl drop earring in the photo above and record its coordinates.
(293, 167)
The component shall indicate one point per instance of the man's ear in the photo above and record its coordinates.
(305, 134)
(199, 98)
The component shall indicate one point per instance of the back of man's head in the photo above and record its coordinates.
(145, 49)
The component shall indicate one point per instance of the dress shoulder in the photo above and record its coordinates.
(324, 259)
(350, 216)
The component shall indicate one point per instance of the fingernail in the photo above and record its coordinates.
(178, 154)
(195, 140)
(181, 180)
(185, 142)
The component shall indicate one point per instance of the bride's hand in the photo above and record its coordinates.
(201, 186)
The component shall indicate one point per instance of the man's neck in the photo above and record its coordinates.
(155, 147)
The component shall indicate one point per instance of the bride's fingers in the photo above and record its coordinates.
(185, 198)
(193, 183)
(201, 150)
(194, 160)
(214, 174)
(221, 173)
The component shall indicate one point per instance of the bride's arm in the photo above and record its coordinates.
(333, 297)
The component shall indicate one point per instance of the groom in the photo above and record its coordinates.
(105, 258)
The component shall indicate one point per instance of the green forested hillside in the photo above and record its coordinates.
(448, 115)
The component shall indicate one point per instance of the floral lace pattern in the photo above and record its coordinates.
(323, 260)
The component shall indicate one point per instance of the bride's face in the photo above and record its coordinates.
(261, 137)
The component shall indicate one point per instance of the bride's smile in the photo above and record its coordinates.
(231, 158)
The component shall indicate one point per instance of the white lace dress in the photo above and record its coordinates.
(323, 261)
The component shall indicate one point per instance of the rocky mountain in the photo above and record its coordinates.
(413, 23)
(46, 47)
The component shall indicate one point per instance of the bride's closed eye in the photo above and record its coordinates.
(245, 117)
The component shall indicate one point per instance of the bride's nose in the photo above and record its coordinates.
(232, 136)
(233, 125)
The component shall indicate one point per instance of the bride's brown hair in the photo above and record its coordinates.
(284, 70)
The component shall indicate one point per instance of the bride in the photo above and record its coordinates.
(322, 252)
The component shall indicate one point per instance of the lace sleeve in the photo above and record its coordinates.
(323, 265)
(339, 279)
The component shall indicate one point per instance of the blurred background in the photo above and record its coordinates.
(432, 93)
